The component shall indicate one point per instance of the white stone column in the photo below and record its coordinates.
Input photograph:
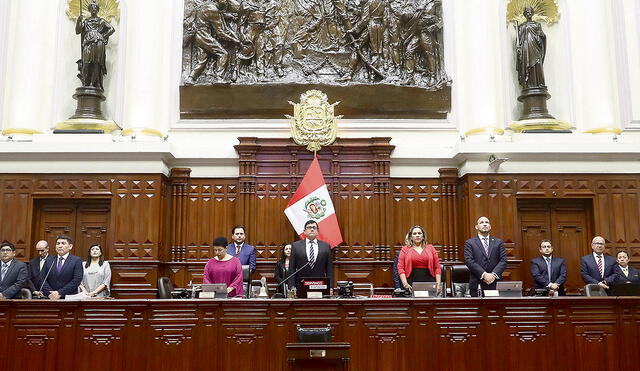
(150, 29)
(478, 79)
(592, 43)
(28, 49)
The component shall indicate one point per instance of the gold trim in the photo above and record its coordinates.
(546, 11)
(11, 131)
(488, 130)
(605, 130)
(539, 124)
(87, 124)
(109, 9)
(142, 131)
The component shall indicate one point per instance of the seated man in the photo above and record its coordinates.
(66, 275)
(549, 272)
(39, 266)
(598, 268)
(13, 273)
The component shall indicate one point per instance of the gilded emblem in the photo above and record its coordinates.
(109, 9)
(544, 11)
(313, 123)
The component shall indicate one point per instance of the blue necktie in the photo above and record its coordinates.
(5, 267)
(548, 267)
(59, 267)
(312, 254)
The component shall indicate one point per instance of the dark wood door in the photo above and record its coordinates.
(566, 223)
(85, 221)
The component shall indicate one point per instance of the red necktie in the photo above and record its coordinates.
(600, 266)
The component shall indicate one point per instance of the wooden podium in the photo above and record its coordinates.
(318, 356)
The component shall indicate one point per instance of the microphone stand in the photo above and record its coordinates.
(289, 277)
(45, 279)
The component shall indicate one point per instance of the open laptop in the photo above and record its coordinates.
(624, 289)
(509, 288)
(425, 289)
(214, 290)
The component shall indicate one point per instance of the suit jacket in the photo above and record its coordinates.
(541, 276)
(478, 262)
(322, 268)
(66, 281)
(14, 280)
(36, 276)
(590, 273)
(280, 274)
(633, 276)
(247, 254)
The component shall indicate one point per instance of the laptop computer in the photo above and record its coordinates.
(509, 288)
(214, 290)
(425, 289)
(625, 289)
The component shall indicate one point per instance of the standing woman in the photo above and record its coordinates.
(418, 261)
(282, 267)
(224, 268)
(97, 273)
(624, 272)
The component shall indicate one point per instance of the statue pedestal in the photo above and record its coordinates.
(88, 117)
(535, 117)
(534, 104)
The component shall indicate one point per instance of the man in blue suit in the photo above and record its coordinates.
(486, 258)
(598, 267)
(66, 274)
(37, 273)
(13, 273)
(549, 272)
(241, 250)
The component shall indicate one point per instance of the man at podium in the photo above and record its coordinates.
(312, 255)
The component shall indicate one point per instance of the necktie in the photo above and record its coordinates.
(237, 250)
(600, 266)
(5, 267)
(59, 267)
(312, 253)
(485, 244)
(548, 267)
(625, 271)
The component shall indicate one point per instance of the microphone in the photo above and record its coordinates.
(289, 277)
(45, 279)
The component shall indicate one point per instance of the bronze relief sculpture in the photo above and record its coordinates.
(322, 41)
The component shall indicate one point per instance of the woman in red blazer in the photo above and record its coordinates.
(418, 261)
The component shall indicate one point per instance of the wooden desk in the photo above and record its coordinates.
(384, 334)
(318, 356)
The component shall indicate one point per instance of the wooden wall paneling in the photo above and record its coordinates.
(448, 181)
(171, 335)
(101, 334)
(358, 219)
(211, 212)
(272, 228)
(386, 327)
(629, 334)
(243, 333)
(179, 179)
(134, 279)
(165, 243)
(35, 331)
(16, 213)
(136, 211)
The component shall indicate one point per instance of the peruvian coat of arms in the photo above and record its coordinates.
(315, 207)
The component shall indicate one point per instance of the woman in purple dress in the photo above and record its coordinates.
(224, 268)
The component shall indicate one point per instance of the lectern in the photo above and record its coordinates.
(318, 356)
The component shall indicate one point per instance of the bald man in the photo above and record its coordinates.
(598, 267)
(38, 266)
(486, 258)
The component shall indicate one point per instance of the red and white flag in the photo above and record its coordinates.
(312, 202)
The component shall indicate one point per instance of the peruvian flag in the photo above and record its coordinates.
(312, 202)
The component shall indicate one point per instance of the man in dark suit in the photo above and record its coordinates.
(598, 267)
(13, 273)
(66, 275)
(36, 267)
(241, 250)
(313, 251)
(624, 272)
(549, 272)
(486, 258)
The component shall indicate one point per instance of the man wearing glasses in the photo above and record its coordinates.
(13, 273)
(312, 251)
(598, 267)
